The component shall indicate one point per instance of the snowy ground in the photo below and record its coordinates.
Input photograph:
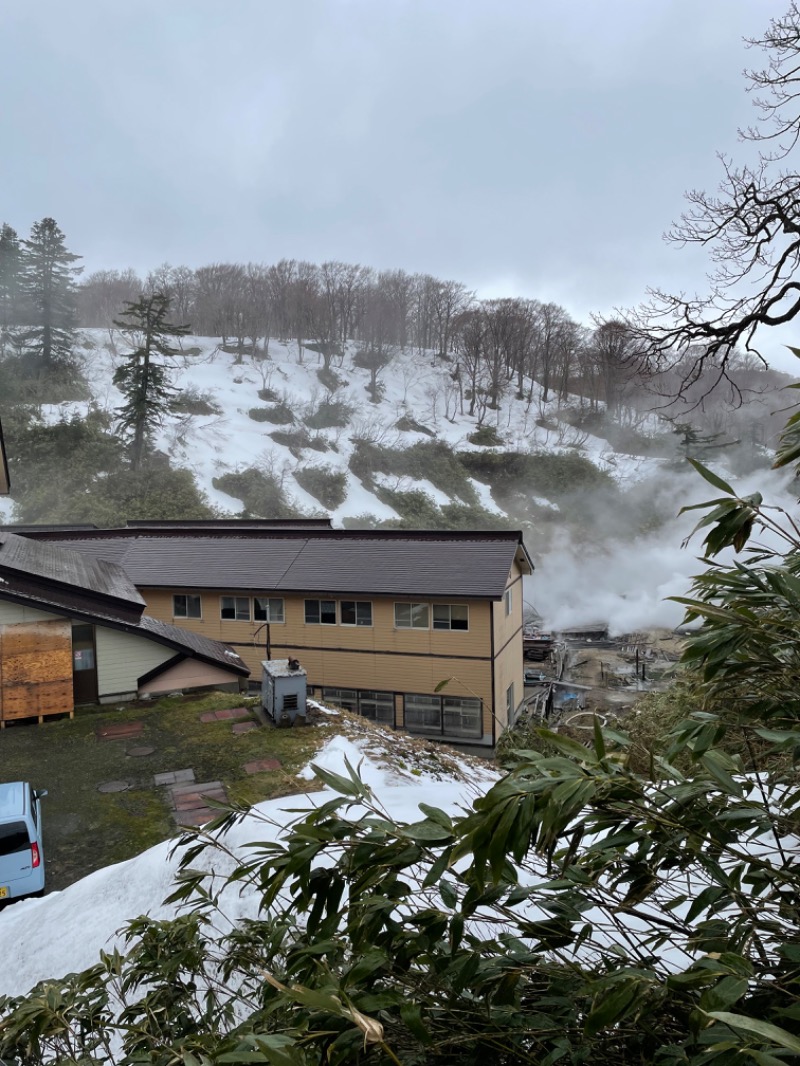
(415, 385)
(65, 931)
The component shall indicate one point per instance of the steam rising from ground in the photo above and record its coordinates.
(625, 582)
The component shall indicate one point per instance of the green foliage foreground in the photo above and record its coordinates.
(580, 912)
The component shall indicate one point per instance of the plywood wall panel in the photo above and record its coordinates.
(36, 669)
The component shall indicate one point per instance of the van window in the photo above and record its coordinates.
(14, 838)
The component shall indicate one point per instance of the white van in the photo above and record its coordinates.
(21, 852)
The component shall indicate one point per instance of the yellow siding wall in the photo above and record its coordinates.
(508, 648)
(378, 657)
(124, 657)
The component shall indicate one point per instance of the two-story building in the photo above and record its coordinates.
(421, 631)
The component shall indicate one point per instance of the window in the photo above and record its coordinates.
(450, 616)
(509, 599)
(511, 704)
(411, 615)
(377, 706)
(342, 697)
(14, 838)
(461, 717)
(451, 716)
(235, 608)
(321, 612)
(267, 610)
(186, 607)
(423, 714)
(355, 613)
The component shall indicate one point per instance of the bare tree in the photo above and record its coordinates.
(751, 227)
(104, 293)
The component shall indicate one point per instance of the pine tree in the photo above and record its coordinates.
(144, 377)
(48, 288)
(10, 285)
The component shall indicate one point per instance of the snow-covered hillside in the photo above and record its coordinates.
(416, 387)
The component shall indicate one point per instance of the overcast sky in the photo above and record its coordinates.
(526, 147)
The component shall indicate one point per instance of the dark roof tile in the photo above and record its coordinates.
(466, 565)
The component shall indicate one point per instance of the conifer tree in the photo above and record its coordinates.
(10, 284)
(144, 377)
(48, 288)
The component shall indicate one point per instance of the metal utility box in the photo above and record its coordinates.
(283, 691)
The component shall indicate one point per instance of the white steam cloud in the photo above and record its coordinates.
(626, 584)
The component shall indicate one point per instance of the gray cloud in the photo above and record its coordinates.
(538, 148)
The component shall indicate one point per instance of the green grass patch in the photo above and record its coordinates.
(486, 437)
(260, 493)
(324, 483)
(514, 477)
(85, 829)
(407, 424)
(329, 415)
(432, 460)
(298, 439)
(279, 414)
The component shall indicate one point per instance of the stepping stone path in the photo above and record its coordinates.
(227, 715)
(174, 777)
(140, 752)
(243, 727)
(189, 802)
(186, 796)
(114, 786)
(119, 731)
(258, 766)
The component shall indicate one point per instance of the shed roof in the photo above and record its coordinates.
(196, 646)
(51, 578)
(468, 565)
(65, 576)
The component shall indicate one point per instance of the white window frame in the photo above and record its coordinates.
(448, 607)
(270, 600)
(319, 621)
(411, 607)
(468, 707)
(509, 600)
(237, 602)
(187, 596)
(356, 605)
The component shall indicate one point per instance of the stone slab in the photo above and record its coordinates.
(194, 802)
(140, 752)
(196, 817)
(201, 786)
(258, 766)
(174, 777)
(119, 731)
(226, 715)
(242, 727)
(114, 786)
